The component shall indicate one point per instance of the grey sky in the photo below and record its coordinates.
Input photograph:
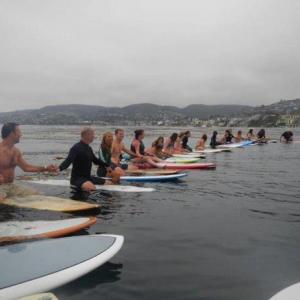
(120, 52)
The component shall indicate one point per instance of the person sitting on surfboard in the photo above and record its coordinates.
(213, 141)
(287, 136)
(185, 140)
(239, 137)
(261, 136)
(141, 159)
(250, 135)
(227, 137)
(104, 154)
(169, 144)
(178, 148)
(201, 143)
(157, 149)
(11, 156)
(82, 156)
(118, 147)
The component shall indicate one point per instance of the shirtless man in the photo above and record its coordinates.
(11, 156)
(118, 147)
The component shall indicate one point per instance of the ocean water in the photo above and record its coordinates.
(227, 234)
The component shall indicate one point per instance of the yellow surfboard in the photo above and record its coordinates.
(48, 203)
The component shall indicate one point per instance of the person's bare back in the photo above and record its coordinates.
(8, 162)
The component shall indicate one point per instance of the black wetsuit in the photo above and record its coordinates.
(185, 145)
(214, 142)
(82, 157)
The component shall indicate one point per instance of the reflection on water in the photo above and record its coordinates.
(108, 273)
(227, 234)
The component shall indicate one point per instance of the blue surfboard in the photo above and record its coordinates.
(151, 178)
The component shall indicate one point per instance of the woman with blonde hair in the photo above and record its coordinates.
(104, 154)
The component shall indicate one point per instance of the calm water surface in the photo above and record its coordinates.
(228, 234)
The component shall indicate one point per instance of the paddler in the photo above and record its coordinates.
(157, 149)
(140, 158)
(287, 137)
(250, 135)
(169, 144)
(261, 136)
(104, 154)
(213, 141)
(239, 137)
(118, 148)
(82, 156)
(11, 156)
(185, 140)
(201, 143)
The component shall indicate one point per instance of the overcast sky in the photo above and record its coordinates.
(119, 52)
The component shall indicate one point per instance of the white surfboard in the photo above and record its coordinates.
(41, 266)
(290, 293)
(181, 160)
(15, 231)
(105, 187)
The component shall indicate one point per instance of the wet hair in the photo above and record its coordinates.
(138, 132)
(118, 130)
(174, 137)
(250, 131)
(204, 137)
(8, 128)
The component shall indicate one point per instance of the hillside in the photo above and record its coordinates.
(266, 115)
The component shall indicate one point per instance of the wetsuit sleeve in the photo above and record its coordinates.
(98, 161)
(70, 158)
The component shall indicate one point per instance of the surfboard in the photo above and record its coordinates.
(15, 231)
(235, 145)
(44, 265)
(42, 296)
(106, 187)
(181, 160)
(151, 172)
(49, 203)
(208, 151)
(188, 166)
(189, 155)
(290, 293)
(151, 178)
